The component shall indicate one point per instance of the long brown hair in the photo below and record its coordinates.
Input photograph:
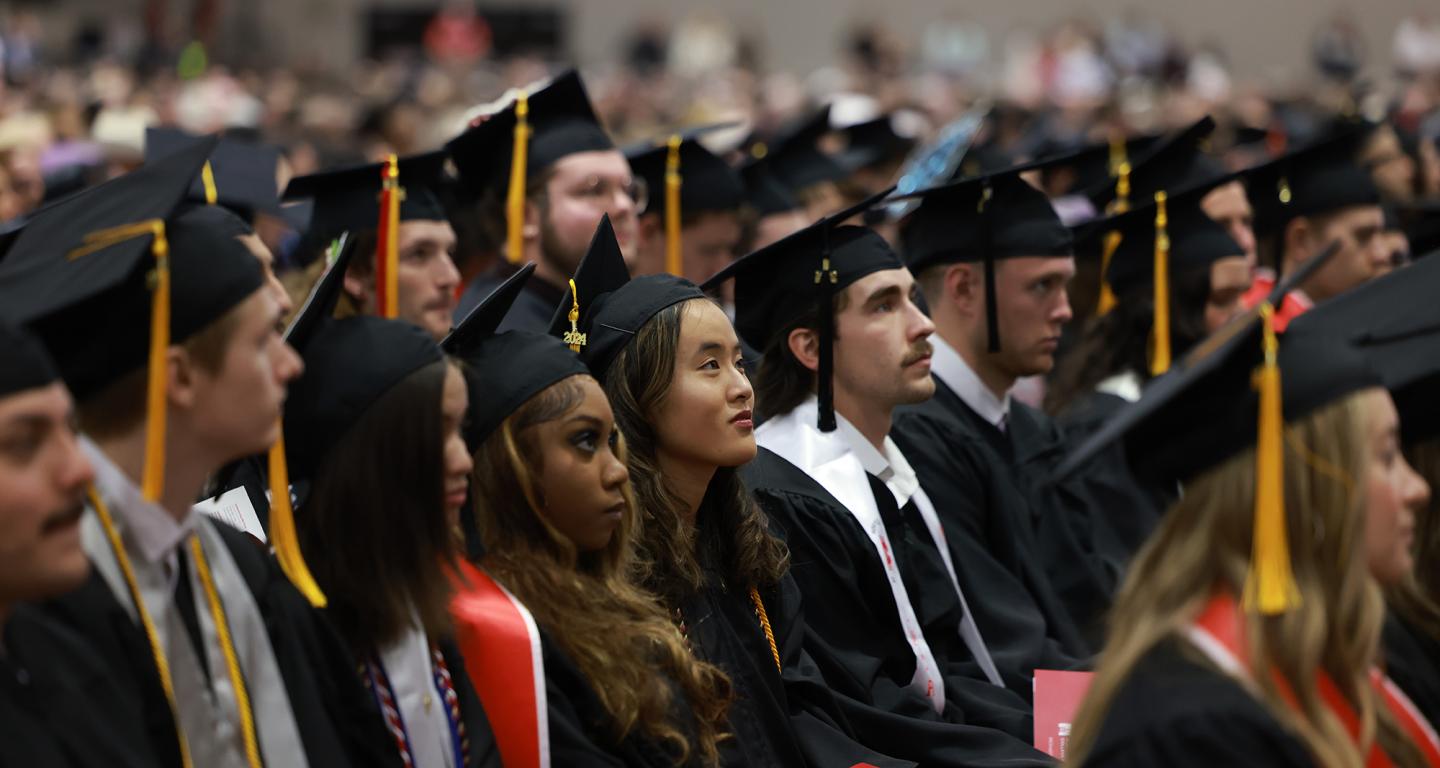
(1204, 544)
(730, 534)
(373, 528)
(1417, 599)
(617, 633)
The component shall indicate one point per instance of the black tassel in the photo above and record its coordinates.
(992, 311)
(825, 280)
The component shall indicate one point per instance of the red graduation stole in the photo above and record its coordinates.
(1221, 632)
(501, 645)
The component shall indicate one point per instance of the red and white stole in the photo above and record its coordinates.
(1219, 633)
(501, 645)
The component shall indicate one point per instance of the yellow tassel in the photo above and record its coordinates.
(672, 207)
(1112, 240)
(391, 254)
(282, 529)
(1270, 585)
(1160, 329)
(574, 337)
(152, 480)
(515, 200)
(207, 179)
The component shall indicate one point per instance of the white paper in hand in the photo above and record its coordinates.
(234, 508)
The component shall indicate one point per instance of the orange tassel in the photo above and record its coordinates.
(1270, 585)
(672, 208)
(1160, 330)
(515, 199)
(387, 241)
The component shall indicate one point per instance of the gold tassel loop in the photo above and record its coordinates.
(515, 199)
(282, 528)
(1160, 329)
(1270, 585)
(672, 207)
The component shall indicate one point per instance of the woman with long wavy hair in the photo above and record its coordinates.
(1248, 627)
(555, 518)
(670, 362)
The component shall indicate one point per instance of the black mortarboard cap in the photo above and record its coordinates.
(872, 142)
(242, 174)
(764, 192)
(1318, 178)
(1175, 163)
(1395, 322)
(24, 363)
(612, 307)
(1097, 164)
(984, 219)
(707, 183)
(794, 157)
(1421, 223)
(505, 370)
(792, 277)
(348, 199)
(561, 122)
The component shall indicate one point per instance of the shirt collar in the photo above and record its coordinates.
(889, 465)
(951, 368)
(153, 531)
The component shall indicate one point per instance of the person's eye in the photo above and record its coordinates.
(21, 448)
(884, 306)
(614, 440)
(710, 365)
(585, 440)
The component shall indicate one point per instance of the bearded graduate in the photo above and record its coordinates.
(671, 365)
(555, 521)
(1248, 629)
(374, 444)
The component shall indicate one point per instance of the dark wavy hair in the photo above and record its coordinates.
(731, 534)
(616, 632)
(782, 383)
(1119, 341)
(373, 528)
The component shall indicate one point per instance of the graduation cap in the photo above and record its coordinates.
(376, 196)
(1395, 322)
(1097, 164)
(24, 363)
(693, 178)
(504, 370)
(764, 192)
(111, 277)
(1314, 179)
(938, 161)
(985, 219)
(782, 282)
(872, 142)
(240, 175)
(794, 158)
(532, 133)
(604, 308)
(1142, 247)
(1177, 162)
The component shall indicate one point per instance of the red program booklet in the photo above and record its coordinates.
(1057, 699)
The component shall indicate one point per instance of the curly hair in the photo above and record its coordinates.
(731, 534)
(616, 632)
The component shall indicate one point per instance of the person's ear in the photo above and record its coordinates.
(804, 344)
(180, 377)
(964, 286)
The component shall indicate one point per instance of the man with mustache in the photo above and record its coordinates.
(993, 262)
(832, 307)
(57, 705)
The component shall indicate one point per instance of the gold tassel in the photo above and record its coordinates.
(1270, 585)
(515, 200)
(574, 337)
(1112, 240)
(282, 528)
(388, 268)
(1160, 329)
(672, 207)
(152, 482)
(207, 180)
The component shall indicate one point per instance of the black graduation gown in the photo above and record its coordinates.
(776, 719)
(59, 706)
(1127, 509)
(1174, 710)
(337, 721)
(532, 309)
(984, 487)
(852, 636)
(1412, 660)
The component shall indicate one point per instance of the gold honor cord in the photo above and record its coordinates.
(157, 653)
(153, 475)
(515, 199)
(1270, 584)
(1160, 328)
(162, 666)
(765, 625)
(672, 207)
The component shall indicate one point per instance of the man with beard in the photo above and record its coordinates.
(832, 306)
(545, 210)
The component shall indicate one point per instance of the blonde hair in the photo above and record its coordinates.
(616, 633)
(1204, 545)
